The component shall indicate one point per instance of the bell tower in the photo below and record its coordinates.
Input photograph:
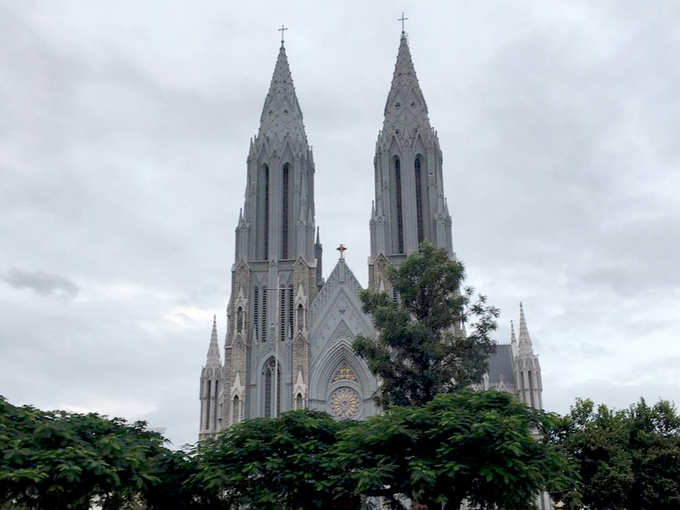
(276, 273)
(409, 205)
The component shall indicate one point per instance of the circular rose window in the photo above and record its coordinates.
(344, 403)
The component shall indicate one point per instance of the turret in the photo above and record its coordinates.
(211, 378)
(527, 367)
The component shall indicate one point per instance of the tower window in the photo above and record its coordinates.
(236, 410)
(207, 411)
(239, 320)
(269, 374)
(264, 314)
(419, 200)
(262, 248)
(300, 317)
(400, 217)
(282, 314)
(284, 212)
(291, 310)
(256, 311)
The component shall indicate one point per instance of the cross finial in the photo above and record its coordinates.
(341, 249)
(282, 30)
(402, 19)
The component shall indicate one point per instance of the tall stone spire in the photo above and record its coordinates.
(513, 339)
(405, 108)
(281, 114)
(410, 206)
(524, 338)
(213, 357)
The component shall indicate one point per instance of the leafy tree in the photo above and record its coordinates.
(283, 463)
(483, 447)
(435, 339)
(60, 460)
(628, 459)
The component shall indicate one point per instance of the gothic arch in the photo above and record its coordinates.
(328, 362)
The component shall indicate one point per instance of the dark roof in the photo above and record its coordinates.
(500, 362)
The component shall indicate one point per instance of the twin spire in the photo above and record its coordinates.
(405, 107)
(281, 114)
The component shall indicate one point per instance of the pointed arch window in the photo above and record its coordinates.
(299, 404)
(208, 402)
(284, 210)
(263, 326)
(419, 198)
(236, 410)
(262, 247)
(399, 207)
(217, 393)
(239, 320)
(300, 317)
(271, 374)
(256, 312)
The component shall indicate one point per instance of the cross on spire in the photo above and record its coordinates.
(402, 19)
(341, 249)
(282, 30)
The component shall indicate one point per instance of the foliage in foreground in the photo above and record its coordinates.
(277, 463)
(434, 339)
(60, 460)
(479, 446)
(627, 459)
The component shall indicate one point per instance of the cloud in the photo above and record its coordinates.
(42, 283)
(124, 137)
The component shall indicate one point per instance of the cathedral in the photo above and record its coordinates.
(289, 334)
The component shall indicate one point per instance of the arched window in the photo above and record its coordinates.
(263, 328)
(399, 208)
(300, 317)
(299, 404)
(208, 402)
(284, 211)
(419, 199)
(236, 410)
(216, 397)
(271, 374)
(262, 248)
(256, 312)
(239, 320)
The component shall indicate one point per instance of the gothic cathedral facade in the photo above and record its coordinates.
(289, 332)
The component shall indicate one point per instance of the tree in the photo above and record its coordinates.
(483, 447)
(627, 459)
(422, 347)
(61, 460)
(277, 463)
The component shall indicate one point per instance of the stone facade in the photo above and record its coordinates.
(289, 333)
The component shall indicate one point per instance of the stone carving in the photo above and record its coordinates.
(344, 403)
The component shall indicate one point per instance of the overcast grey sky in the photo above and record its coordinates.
(124, 130)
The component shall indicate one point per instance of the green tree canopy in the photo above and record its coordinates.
(283, 463)
(58, 460)
(434, 339)
(628, 459)
(484, 447)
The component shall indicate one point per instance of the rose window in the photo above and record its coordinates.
(344, 403)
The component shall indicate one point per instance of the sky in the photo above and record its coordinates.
(124, 131)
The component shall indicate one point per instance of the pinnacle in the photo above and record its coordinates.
(513, 339)
(213, 357)
(524, 338)
(281, 113)
(405, 104)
